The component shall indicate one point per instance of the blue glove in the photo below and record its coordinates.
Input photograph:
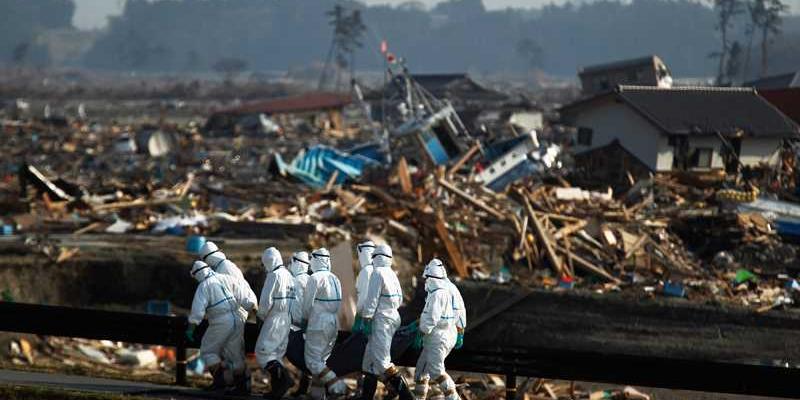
(460, 339)
(417, 345)
(367, 329)
(358, 325)
(413, 327)
(190, 332)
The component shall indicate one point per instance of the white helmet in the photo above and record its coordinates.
(435, 269)
(271, 259)
(365, 251)
(320, 260)
(382, 257)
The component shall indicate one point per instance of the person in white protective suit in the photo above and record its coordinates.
(299, 267)
(364, 251)
(218, 298)
(216, 259)
(321, 302)
(437, 333)
(381, 320)
(274, 309)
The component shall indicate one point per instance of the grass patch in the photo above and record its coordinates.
(17, 392)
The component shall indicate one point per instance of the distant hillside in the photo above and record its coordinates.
(23, 24)
(454, 36)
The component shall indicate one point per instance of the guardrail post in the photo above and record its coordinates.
(511, 386)
(180, 363)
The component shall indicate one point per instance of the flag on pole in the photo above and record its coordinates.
(384, 46)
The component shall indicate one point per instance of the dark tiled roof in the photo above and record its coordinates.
(698, 110)
(293, 104)
(782, 81)
(707, 110)
(457, 86)
(647, 60)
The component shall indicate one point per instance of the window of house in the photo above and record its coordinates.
(701, 157)
(585, 136)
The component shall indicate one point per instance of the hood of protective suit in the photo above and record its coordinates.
(214, 259)
(200, 271)
(321, 260)
(208, 249)
(299, 264)
(365, 251)
(435, 268)
(432, 284)
(382, 257)
(271, 259)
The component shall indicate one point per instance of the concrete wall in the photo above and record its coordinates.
(757, 150)
(612, 120)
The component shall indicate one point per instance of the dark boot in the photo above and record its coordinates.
(368, 386)
(302, 389)
(242, 385)
(399, 385)
(218, 374)
(279, 380)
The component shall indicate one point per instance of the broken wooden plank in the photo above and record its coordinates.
(452, 250)
(136, 203)
(544, 237)
(568, 230)
(588, 266)
(476, 202)
(331, 181)
(404, 176)
(463, 160)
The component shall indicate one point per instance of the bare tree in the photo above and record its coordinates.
(767, 20)
(734, 63)
(727, 10)
(347, 31)
(20, 53)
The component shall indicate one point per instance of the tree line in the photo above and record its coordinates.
(230, 36)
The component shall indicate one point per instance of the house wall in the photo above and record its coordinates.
(611, 120)
(528, 119)
(708, 142)
(758, 150)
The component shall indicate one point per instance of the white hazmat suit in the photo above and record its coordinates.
(218, 298)
(321, 302)
(365, 251)
(219, 263)
(275, 303)
(275, 307)
(437, 325)
(380, 306)
(299, 269)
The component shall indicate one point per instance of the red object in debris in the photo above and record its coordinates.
(390, 58)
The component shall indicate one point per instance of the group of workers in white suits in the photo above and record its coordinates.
(304, 298)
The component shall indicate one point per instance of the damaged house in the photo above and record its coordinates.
(679, 129)
(320, 110)
(644, 71)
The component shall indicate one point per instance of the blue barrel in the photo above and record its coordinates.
(8, 229)
(195, 243)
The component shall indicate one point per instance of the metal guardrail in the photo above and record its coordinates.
(701, 375)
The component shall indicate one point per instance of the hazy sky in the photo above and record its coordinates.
(92, 14)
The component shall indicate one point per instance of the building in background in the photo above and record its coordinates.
(644, 71)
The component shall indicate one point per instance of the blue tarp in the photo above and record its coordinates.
(317, 164)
